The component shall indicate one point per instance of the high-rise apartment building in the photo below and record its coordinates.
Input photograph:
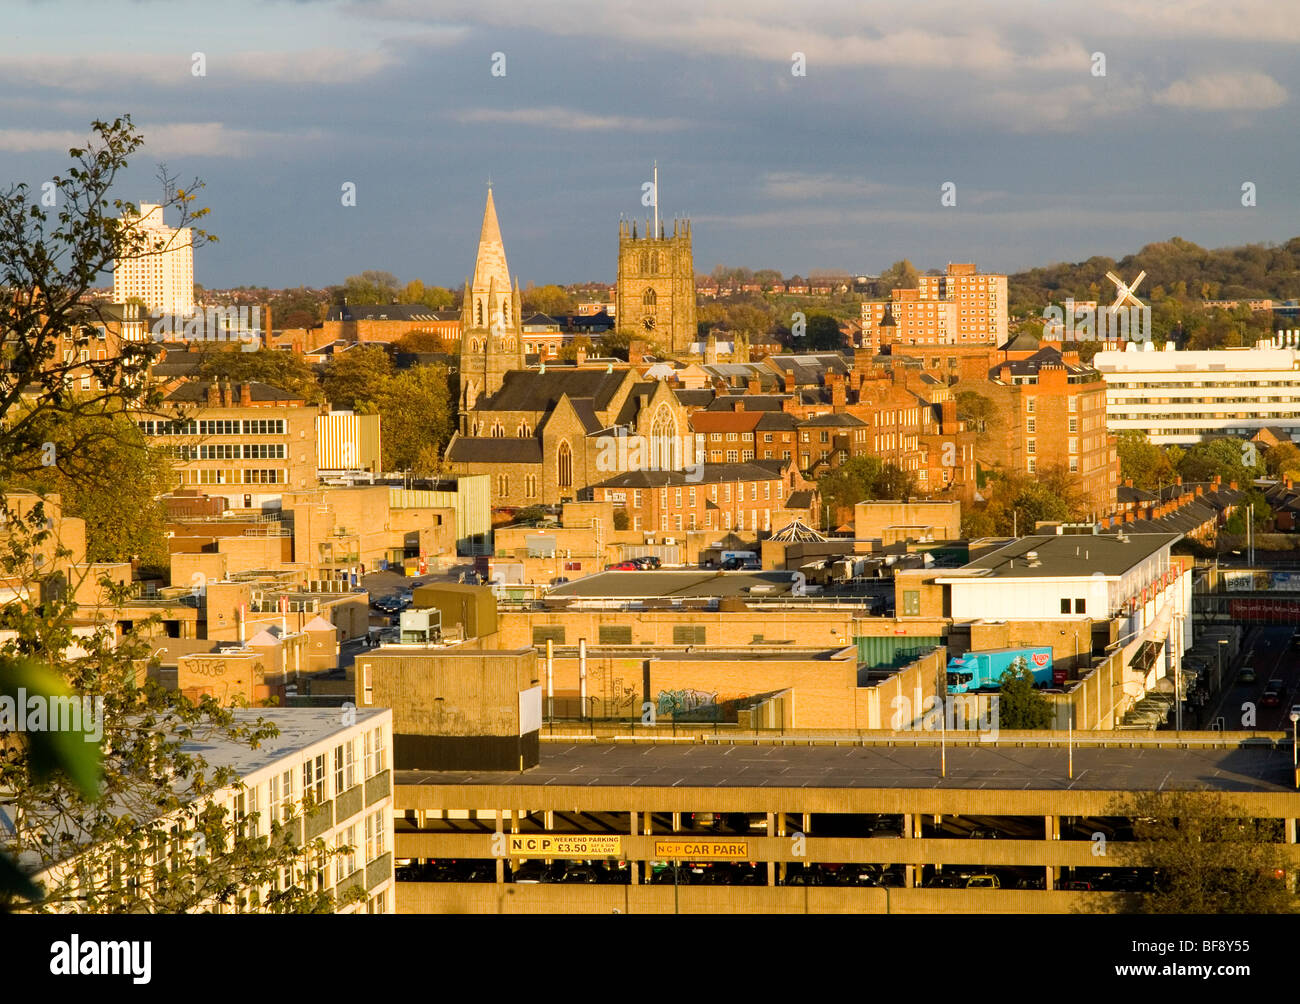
(960, 307)
(162, 276)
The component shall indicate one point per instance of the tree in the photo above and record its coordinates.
(433, 297)
(419, 341)
(1225, 457)
(614, 344)
(140, 792)
(285, 370)
(369, 288)
(823, 334)
(569, 350)
(1205, 858)
(1262, 517)
(554, 301)
(862, 479)
(621, 519)
(115, 490)
(1283, 460)
(1142, 461)
(1020, 705)
(355, 378)
(50, 258)
(977, 411)
(900, 275)
(297, 308)
(416, 410)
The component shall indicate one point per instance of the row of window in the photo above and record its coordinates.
(215, 427)
(234, 476)
(231, 451)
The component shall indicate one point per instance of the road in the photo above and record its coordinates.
(1268, 651)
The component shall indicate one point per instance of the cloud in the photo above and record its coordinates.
(1224, 92)
(796, 185)
(211, 139)
(554, 117)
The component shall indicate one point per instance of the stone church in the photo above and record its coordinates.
(543, 435)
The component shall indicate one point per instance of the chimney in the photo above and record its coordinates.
(838, 398)
(1178, 480)
(580, 356)
(1128, 517)
(1198, 490)
(227, 396)
(214, 395)
(1128, 482)
(948, 416)
(635, 351)
(752, 386)
(1232, 485)
(245, 395)
(739, 405)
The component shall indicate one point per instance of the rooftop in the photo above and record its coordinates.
(776, 766)
(1069, 555)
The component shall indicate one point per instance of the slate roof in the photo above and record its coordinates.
(703, 474)
(695, 398)
(390, 312)
(494, 450)
(799, 500)
(843, 420)
(532, 390)
(779, 421)
(752, 402)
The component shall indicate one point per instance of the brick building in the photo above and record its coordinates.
(962, 307)
(247, 442)
(743, 497)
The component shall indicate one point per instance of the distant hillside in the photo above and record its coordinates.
(1175, 267)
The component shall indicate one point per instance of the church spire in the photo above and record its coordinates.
(491, 261)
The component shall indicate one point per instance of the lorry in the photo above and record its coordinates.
(983, 670)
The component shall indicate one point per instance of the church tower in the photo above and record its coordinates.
(655, 293)
(491, 341)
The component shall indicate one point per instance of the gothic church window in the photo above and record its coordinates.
(564, 465)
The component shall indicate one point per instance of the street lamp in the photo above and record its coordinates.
(1218, 683)
(1295, 729)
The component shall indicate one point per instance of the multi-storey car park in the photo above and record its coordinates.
(1031, 823)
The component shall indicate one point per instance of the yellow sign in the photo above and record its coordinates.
(695, 849)
(545, 845)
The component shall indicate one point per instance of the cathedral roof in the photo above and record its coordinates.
(494, 450)
(532, 390)
(491, 261)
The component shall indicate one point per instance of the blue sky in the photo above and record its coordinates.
(840, 168)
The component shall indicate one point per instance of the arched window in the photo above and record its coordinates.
(654, 261)
(648, 298)
(505, 310)
(478, 313)
(503, 485)
(663, 441)
(564, 466)
(643, 260)
(497, 431)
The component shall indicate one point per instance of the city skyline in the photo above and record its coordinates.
(840, 168)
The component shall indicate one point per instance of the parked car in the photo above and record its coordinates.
(983, 882)
(647, 561)
(623, 566)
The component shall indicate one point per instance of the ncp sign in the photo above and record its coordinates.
(544, 845)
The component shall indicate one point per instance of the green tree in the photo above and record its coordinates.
(285, 370)
(569, 350)
(419, 341)
(1205, 857)
(554, 301)
(417, 419)
(862, 479)
(900, 275)
(977, 411)
(1020, 705)
(1283, 460)
(354, 379)
(1263, 514)
(614, 344)
(433, 297)
(367, 289)
(823, 334)
(297, 308)
(1225, 457)
(1143, 461)
(113, 485)
(66, 793)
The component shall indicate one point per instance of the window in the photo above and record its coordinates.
(1074, 445)
(282, 796)
(911, 603)
(564, 466)
(1074, 424)
(374, 835)
(345, 768)
(1080, 605)
(313, 779)
(1074, 465)
(1029, 405)
(1031, 446)
(731, 456)
(1031, 425)
(542, 633)
(376, 757)
(688, 634)
(1073, 403)
(347, 861)
(367, 687)
(1065, 605)
(614, 634)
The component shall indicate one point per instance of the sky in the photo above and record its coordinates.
(842, 166)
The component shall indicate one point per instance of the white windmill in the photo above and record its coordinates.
(1124, 292)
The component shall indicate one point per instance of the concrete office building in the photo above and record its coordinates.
(1175, 396)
